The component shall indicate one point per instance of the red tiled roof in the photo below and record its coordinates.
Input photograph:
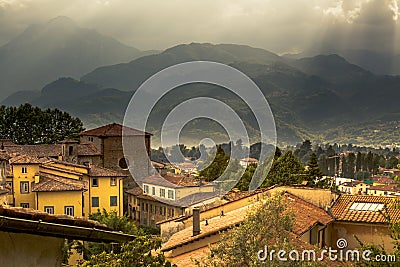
(45, 167)
(307, 215)
(24, 159)
(40, 150)
(384, 180)
(172, 180)
(341, 209)
(136, 191)
(114, 130)
(88, 149)
(215, 225)
(54, 183)
(4, 155)
(103, 172)
(392, 188)
(31, 214)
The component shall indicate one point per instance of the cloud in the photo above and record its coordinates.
(280, 26)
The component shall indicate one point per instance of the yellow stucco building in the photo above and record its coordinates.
(59, 187)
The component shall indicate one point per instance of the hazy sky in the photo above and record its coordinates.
(278, 25)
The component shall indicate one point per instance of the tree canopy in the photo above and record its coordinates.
(31, 125)
(139, 252)
(269, 222)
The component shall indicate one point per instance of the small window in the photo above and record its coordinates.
(113, 201)
(146, 189)
(113, 181)
(173, 212)
(162, 192)
(95, 202)
(70, 150)
(24, 186)
(123, 163)
(25, 205)
(24, 170)
(69, 210)
(95, 182)
(49, 209)
(147, 207)
(153, 191)
(90, 139)
(161, 210)
(170, 194)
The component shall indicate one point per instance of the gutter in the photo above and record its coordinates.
(17, 225)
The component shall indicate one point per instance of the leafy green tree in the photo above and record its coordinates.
(139, 252)
(304, 152)
(392, 162)
(285, 170)
(244, 182)
(268, 223)
(31, 125)
(313, 171)
(217, 167)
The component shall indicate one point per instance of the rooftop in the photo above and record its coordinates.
(392, 188)
(343, 209)
(49, 150)
(39, 150)
(20, 220)
(186, 201)
(95, 170)
(172, 180)
(306, 216)
(54, 183)
(24, 159)
(114, 130)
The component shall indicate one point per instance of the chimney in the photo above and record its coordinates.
(196, 221)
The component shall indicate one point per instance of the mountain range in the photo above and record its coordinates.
(44, 52)
(325, 97)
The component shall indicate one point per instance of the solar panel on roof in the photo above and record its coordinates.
(366, 206)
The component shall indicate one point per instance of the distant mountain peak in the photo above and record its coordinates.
(61, 21)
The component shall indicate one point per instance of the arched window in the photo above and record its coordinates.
(123, 163)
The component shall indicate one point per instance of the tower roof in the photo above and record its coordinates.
(114, 130)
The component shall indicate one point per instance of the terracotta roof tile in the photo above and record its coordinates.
(215, 225)
(88, 149)
(172, 180)
(54, 183)
(45, 167)
(392, 188)
(103, 172)
(341, 209)
(50, 150)
(31, 214)
(4, 155)
(307, 215)
(40, 150)
(24, 159)
(114, 130)
(136, 191)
